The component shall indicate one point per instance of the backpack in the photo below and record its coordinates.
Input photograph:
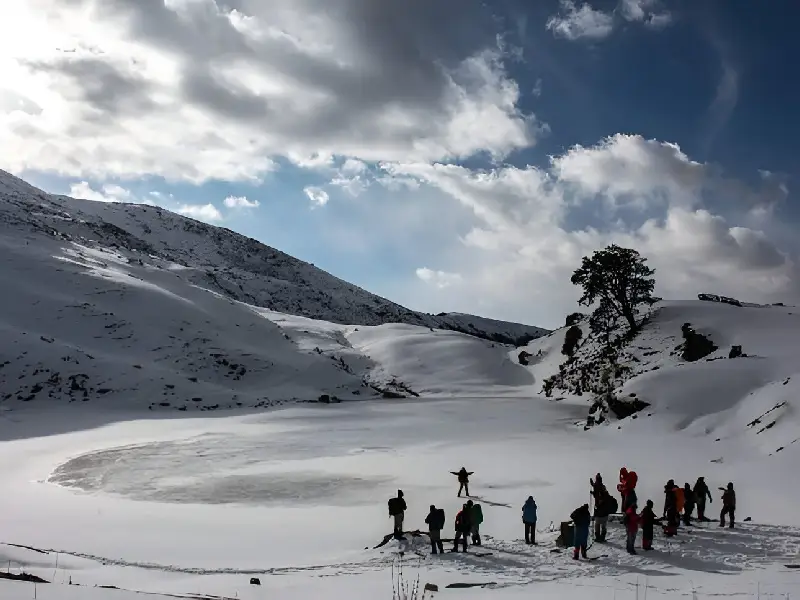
(613, 505)
(394, 506)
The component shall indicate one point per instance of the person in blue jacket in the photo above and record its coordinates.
(581, 518)
(529, 518)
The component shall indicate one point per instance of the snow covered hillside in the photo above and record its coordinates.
(218, 259)
(133, 307)
(708, 389)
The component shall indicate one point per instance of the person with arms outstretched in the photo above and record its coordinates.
(463, 480)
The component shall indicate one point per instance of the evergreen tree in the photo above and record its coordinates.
(618, 280)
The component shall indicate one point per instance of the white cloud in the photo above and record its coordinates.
(439, 279)
(107, 193)
(532, 226)
(241, 202)
(196, 91)
(202, 212)
(645, 11)
(318, 196)
(575, 22)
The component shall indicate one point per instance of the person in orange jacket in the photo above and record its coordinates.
(680, 499)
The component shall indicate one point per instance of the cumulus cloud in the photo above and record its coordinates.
(202, 212)
(240, 202)
(532, 226)
(649, 12)
(318, 196)
(439, 279)
(107, 193)
(575, 22)
(206, 90)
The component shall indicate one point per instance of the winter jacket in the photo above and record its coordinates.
(689, 499)
(581, 517)
(631, 520)
(701, 491)
(669, 498)
(463, 521)
(396, 506)
(435, 520)
(463, 476)
(604, 506)
(729, 499)
(680, 500)
(630, 500)
(648, 520)
(477, 514)
(529, 511)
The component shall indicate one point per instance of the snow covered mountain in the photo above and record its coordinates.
(221, 260)
(136, 307)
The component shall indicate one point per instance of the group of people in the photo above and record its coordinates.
(679, 506)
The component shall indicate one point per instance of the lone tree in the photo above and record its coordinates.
(618, 280)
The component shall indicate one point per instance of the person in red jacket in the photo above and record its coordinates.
(631, 527)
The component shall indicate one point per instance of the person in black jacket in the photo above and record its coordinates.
(463, 480)
(604, 506)
(397, 511)
(581, 518)
(436, 521)
(463, 526)
(688, 504)
(728, 505)
(701, 492)
(648, 524)
(671, 509)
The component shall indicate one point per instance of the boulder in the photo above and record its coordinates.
(736, 352)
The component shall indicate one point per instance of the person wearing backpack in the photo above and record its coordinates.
(477, 519)
(397, 511)
(701, 493)
(436, 521)
(604, 507)
(529, 519)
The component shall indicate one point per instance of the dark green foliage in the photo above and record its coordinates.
(571, 339)
(574, 318)
(619, 281)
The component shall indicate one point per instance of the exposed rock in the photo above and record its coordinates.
(695, 345)
(736, 352)
(524, 357)
(627, 407)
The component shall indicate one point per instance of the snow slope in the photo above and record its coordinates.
(752, 398)
(221, 260)
(132, 307)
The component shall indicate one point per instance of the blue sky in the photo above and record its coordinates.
(447, 155)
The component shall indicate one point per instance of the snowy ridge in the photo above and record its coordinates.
(215, 258)
(128, 306)
(751, 397)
